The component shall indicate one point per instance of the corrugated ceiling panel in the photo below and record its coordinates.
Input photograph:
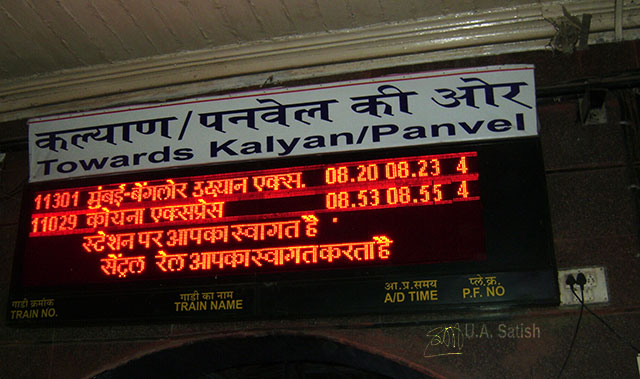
(33, 42)
(100, 30)
(44, 36)
(178, 23)
(242, 20)
(336, 14)
(135, 41)
(273, 17)
(305, 15)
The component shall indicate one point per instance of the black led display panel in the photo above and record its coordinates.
(382, 231)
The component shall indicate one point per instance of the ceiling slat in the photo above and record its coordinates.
(66, 27)
(32, 40)
(119, 20)
(210, 22)
(99, 29)
(274, 17)
(242, 20)
(398, 10)
(305, 15)
(366, 11)
(60, 28)
(157, 29)
(11, 61)
(336, 14)
(177, 21)
(83, 17)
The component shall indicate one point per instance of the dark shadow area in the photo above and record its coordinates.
(263, 357)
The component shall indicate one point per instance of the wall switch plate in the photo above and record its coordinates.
(595, 290)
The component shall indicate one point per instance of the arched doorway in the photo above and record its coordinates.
(277, 356)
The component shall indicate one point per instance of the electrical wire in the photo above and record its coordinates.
(612, 330)
(582, 307)
(629, 117)
(11, 194)
(17, 188)
(575, 333)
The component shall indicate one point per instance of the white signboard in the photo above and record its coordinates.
(418, 109)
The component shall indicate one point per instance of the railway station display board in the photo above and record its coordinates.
(453, 221)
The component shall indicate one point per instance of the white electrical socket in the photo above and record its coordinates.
(595, 290)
